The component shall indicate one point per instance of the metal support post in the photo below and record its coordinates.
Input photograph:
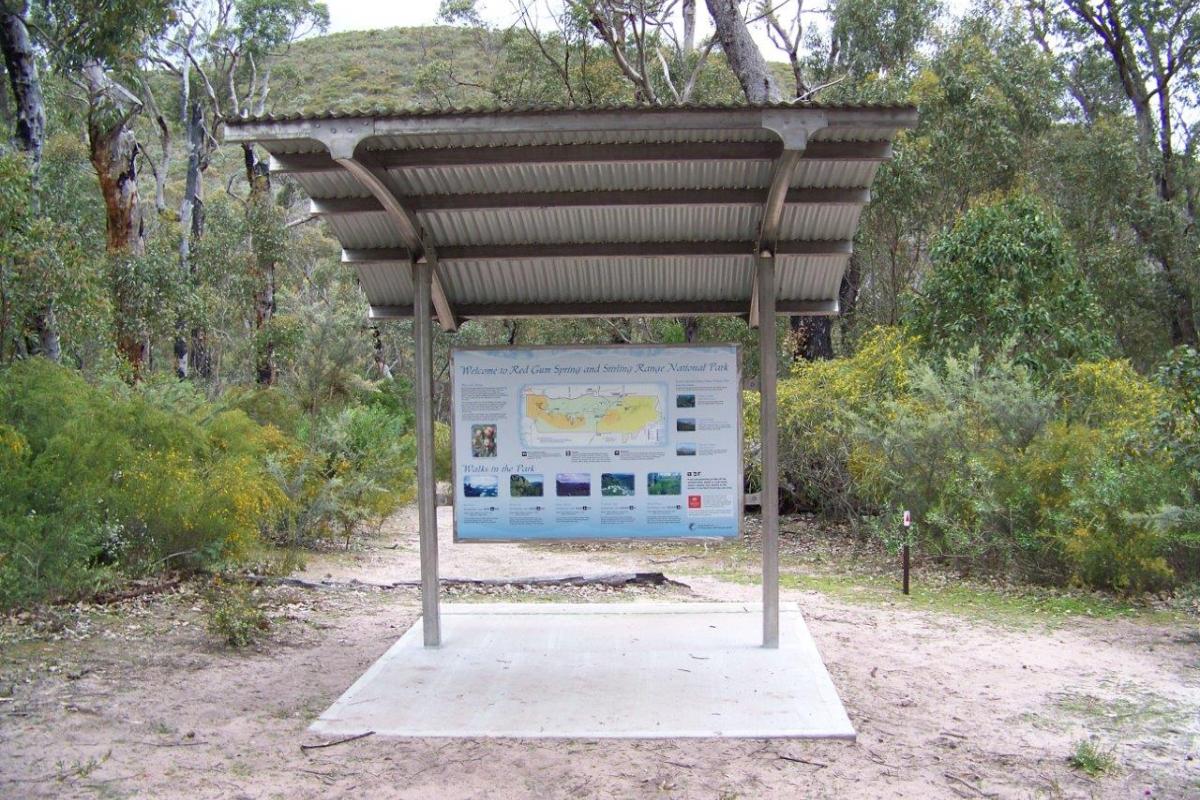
(769, 434)
(426, 480)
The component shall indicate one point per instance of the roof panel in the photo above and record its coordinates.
(821, 222)
(366, 230)
(386, 283)
(834, 174)
(335, 183)
(809, 277)
(550, 137)
(593, 224)
(583, 177)
(606, 280)
(413, 181)
(598, 280)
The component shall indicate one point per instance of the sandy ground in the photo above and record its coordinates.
(138, 700)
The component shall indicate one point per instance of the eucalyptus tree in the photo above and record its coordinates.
(222, 54)
(988, 100)
(93, 45)
(1005, 283)
(1149, 51)
(847, 50)
(20, 62)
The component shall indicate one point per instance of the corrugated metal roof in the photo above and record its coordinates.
(632, 279)
(542, 281)
(585, 274)
(604, 224)
(402, 112)
(631, 135)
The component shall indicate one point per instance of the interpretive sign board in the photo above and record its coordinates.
(621, 442)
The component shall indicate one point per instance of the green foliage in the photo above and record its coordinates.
(105, 481)
(43, 260)
(460, 12)
(107, 32)
(123, 480)
(356, 468)
(235, 615)
(269, 25)
(443, 452)
(1002, 474)
(1092, 759)
(819, 404)
(1004, 280)
(938, 451)
(873, 36)
(376, 68)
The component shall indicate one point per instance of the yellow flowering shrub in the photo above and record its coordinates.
(1111, 396)
(818, 405)
(124, 479)
(1004, 474)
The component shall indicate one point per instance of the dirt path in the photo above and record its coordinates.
(139, 701)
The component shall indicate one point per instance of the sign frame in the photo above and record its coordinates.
(740, 510)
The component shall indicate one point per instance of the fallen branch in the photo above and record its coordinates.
(611, 579)
(672, 560)
(337, 742)
(968, 784)
(106, 598)
(616, 580)
(817, 764)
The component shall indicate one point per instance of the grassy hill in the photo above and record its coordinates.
(382, 68)
(440, 66)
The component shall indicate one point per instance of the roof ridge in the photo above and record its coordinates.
(551, 108)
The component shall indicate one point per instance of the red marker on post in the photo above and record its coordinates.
(904, 556)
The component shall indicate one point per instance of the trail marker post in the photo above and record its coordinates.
(904, 551)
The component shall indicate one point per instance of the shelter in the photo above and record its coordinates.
(618, 211)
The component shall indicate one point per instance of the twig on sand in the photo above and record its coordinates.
(817, 764)
(671, 560)
(614, 580)
(969, 785)
(108, 598)
(339, 741)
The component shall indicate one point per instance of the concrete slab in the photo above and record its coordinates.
(628, 670)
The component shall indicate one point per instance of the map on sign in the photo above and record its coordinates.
(581, 415)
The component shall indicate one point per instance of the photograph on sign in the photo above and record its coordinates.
(603, 442)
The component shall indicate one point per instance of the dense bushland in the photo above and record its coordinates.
(1018, 447)
(1086, 479)
(108, 481)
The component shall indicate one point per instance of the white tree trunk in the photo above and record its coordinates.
(744, 57)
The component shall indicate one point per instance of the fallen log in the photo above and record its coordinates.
(139, 590)
(612, 579)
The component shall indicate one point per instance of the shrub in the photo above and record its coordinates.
(443, 452)
(1005, 280)
(1077, 490)
(940, 451)
(357, 469)
(235, 616)
(1090, 758)
(1002, 474)
(1178, 438)
(818, 405)
(118, 479)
